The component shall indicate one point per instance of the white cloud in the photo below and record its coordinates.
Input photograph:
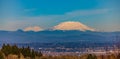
(71, 25)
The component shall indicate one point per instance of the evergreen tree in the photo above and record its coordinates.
(2, 55)
(6, 49)
(33, 54)
(90, 56)
(14, 50)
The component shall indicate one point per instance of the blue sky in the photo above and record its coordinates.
(103, 15)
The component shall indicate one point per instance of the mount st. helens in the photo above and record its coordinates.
(70, 25)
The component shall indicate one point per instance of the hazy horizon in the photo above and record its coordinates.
(101, 15)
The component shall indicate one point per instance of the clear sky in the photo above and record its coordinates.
(103, 15)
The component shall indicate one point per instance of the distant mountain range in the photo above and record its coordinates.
(55, 36)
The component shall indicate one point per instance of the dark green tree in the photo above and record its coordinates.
(90, 56)
(15, 50)
(25, 51)
(33, 54)
(6, 49)
(2, 55)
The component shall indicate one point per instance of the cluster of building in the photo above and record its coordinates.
(79, 51)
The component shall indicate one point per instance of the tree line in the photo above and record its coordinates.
(10, 51)
(7, 50)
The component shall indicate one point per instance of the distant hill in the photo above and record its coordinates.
(48, 36)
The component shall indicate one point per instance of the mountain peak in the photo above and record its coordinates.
(34, 28)
(70, 25)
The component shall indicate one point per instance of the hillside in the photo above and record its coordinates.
(57, 36)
